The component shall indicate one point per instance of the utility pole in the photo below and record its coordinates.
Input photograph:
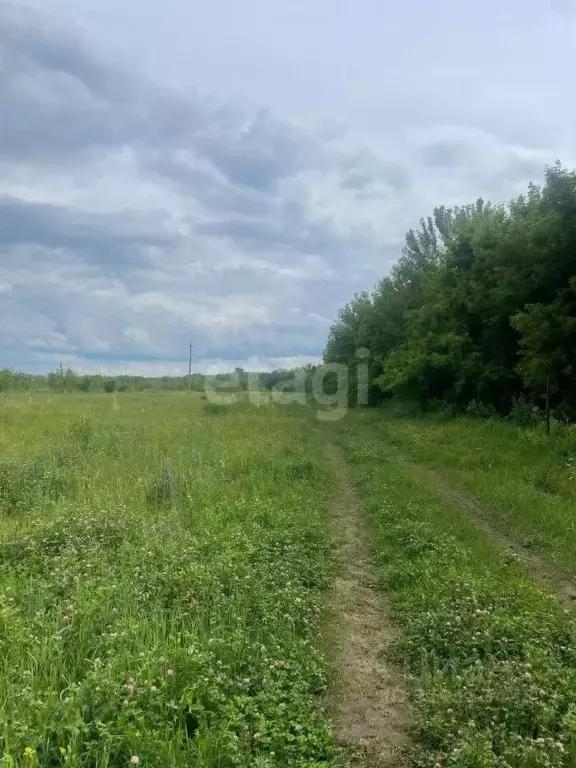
(547, 405)
(190, 368)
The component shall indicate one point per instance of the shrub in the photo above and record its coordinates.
(109, 386)
(478, 410)
(445, 410)
(524, 413)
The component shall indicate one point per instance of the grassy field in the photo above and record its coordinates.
(491, 655)
(526, 480)
(163, 566)
(167, 573)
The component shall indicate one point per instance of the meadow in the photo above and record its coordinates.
(525, 480)
(163, 566)
(167, 571)
(489, 651)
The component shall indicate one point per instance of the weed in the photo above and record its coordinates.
(162, 489)
(491, 656)
(26, 484)
(180, 632)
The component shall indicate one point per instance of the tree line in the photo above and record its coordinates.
(480, 309)
(66, 379)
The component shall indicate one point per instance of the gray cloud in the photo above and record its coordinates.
(119, 239)
(134, 215)
(445, 152)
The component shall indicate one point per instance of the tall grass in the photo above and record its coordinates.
(525, 479)
(162, 574)
(490, 654)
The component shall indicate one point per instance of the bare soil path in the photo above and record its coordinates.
(370, 704)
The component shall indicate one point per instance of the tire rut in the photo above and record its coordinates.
(545, 574)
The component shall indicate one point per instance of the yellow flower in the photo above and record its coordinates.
(62, 750)
(138, 734)
(29, 752)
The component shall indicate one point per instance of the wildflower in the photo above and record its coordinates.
(135, 760)
(62, 750)
(29, 752)
(170, 672)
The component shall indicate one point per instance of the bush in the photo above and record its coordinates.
(444, 410)
(524, 413)
(478, 410)
(110, 386)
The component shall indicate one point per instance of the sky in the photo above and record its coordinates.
(230, 173)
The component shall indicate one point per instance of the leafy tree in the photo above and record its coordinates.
(480, 306)
(548, 346)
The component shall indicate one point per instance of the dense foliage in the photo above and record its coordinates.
(480, 307)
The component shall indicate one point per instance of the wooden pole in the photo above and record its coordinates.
(190, 368)
(547, 405)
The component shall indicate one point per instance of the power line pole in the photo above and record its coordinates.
(547, 405)
(190, 367)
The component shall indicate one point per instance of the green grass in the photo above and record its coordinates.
(162, 578)
(491, 656)
(526, 480)
(164, 570)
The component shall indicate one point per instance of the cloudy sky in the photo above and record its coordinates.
(231, 172)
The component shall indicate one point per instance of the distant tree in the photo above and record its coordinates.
(63, 379)
(85, 384)
(109, 386)
(6, 379)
